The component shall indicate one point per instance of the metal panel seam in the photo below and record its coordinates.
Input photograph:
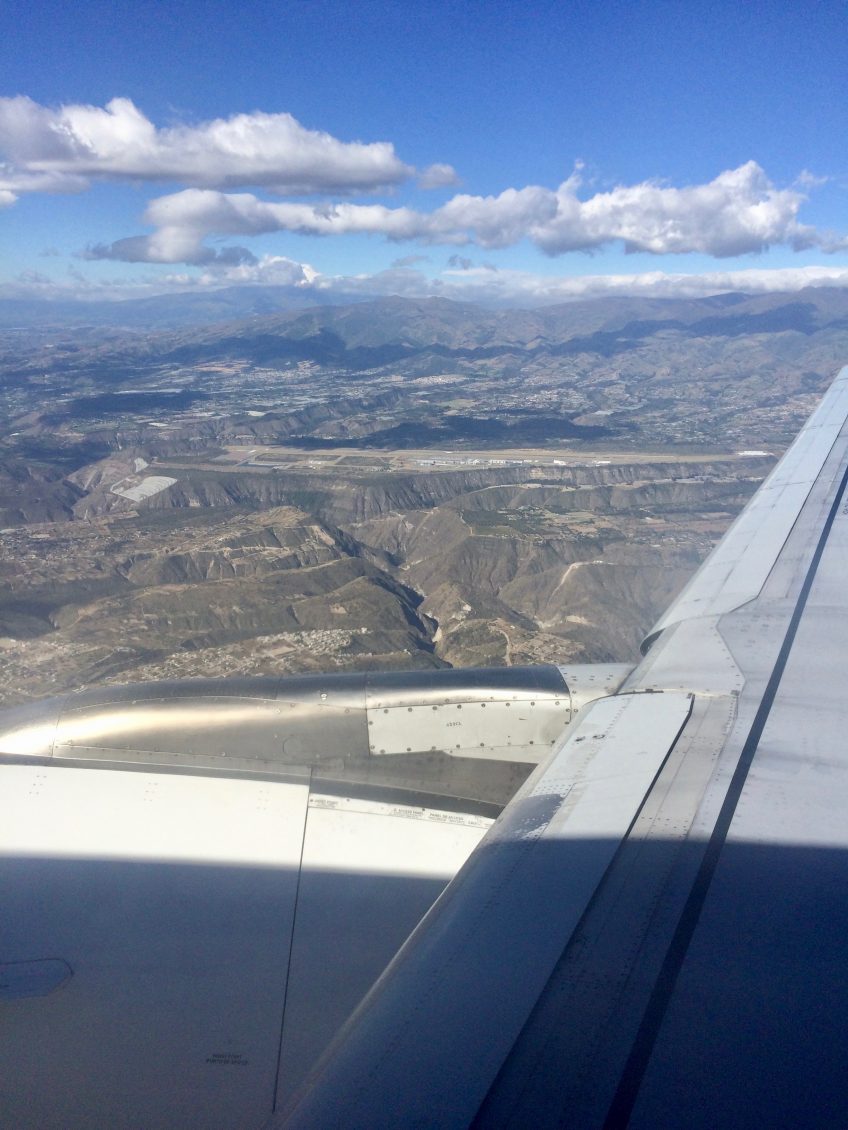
(291, 949)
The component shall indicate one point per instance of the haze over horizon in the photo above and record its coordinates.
(479, 152)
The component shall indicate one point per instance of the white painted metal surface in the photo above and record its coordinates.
(170, 898)
(451, 1004)
(146, 951)
(360, 858)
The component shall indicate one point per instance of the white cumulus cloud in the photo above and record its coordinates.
(270, 270)
(58, 150)
(740, 211)
(737, 213)
(184, 219)
(438, 176)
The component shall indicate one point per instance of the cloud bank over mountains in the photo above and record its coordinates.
(460, 281)
(67, 149)
(488, 285)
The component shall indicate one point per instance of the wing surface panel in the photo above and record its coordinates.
(170, 900)
(359, 857)
(176, 949)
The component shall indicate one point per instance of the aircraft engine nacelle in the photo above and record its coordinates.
(473, 732)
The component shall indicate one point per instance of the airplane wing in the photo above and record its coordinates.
(201, 880)
(654, 933)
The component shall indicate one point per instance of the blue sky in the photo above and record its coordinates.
(493, 151)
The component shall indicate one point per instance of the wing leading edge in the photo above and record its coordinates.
(693, 955)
